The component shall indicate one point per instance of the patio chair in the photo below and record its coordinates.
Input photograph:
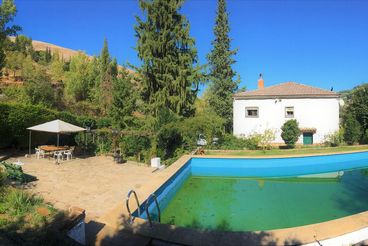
(69, 153)
(40, 153)
(59, 155)
(18, 163)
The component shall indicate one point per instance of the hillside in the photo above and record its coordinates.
(65, 53)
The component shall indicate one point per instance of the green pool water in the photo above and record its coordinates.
(240, 204)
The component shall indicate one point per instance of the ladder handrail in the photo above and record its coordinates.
(157, 206)
(127, 204)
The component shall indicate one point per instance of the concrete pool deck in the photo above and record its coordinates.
(100, 186)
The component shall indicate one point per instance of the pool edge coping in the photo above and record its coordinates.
(276, 156)
(303, 235)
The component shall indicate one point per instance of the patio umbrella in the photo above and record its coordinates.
(55, 126)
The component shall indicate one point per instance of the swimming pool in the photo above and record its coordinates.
(263, 194)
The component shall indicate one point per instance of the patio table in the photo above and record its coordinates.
(51, 148)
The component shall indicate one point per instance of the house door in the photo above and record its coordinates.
(307, 138)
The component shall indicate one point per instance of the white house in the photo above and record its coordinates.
(315, 109)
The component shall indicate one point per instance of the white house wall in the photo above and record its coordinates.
(319, 113)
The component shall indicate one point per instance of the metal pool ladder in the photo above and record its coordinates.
(157, 206)
(131, 217)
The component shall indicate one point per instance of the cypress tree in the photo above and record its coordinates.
(170, 76)
(47, 55)
(105, 58)
(107, 73)
(221, 77)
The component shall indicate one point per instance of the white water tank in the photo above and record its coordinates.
(156, 162)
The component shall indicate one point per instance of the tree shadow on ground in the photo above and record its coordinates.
(50, 233)
(140, 233)
(92, 229)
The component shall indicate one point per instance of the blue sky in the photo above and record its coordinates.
(319, 43)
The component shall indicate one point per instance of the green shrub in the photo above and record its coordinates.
(365, 137)
(252, 142)
(231, 142)
(14, 172)
(169, 139)
(207, 124)
(104, 122)
(135, 146)
(335, 139)
(290, 133)
(177, 154)
(174, 136)
(352, 128)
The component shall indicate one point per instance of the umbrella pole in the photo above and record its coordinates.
(58, 139)
(30, 142)
(85, 144)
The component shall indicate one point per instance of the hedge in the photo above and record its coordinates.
(16, 118)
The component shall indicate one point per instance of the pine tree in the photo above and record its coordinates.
(222, 83)
(170, 76)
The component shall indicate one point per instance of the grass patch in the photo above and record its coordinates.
(18, 207)
(25, 219)
(304, 150)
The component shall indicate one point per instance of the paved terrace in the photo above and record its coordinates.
(95, 184)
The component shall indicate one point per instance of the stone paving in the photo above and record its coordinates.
(95, 184)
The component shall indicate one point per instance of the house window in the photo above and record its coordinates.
(289, 112)
(251, 112)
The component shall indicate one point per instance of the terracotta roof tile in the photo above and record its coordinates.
(287, 89)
